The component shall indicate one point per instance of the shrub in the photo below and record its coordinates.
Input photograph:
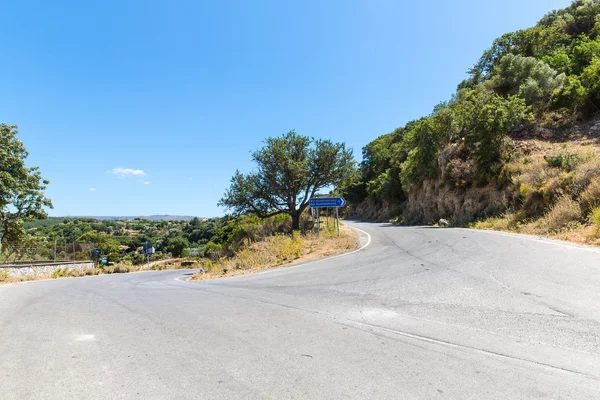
(91, 271)
(107, 269)
(590, 198)
(4, 275)
(121, 269)
(571, 94)
(565, 212)
(422, 141)
(60, 273)
(289, 248)
(595, 219)
(527, 77)
(564, 160)
(484, 119)
(591, 79)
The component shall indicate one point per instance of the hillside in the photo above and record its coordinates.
(518, 142)
(146, 217)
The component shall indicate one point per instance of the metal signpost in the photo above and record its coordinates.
(96, 253)
(316, 203)
(147, 250)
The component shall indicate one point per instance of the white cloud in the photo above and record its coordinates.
(126, 172)
(147, 182)
(92, 189)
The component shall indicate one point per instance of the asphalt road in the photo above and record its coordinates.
(420, 313)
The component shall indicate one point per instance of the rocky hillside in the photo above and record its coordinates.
(517, 145)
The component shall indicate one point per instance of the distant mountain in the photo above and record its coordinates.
(148, 217)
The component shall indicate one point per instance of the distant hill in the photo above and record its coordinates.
(148, 217)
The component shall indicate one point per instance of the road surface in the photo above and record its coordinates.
(420, 313)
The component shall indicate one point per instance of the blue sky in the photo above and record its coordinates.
(154, 105)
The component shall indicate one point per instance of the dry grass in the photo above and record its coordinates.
(595, 220)
(280, 250)
(121, 268)
(565, 214)
(590, 198)
(557, 189)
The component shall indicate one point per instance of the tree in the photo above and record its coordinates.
(527, 77)
(177, 245)
(108, 245)
(290, 170)
(483, 119)
(421, 143)
(591, 80)
(21, 188)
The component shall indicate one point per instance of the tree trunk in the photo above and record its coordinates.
(295, 221)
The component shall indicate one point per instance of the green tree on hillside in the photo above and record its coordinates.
(177, 245)
(531, 79)
(108, 245)
(290, 170)
(21, 188)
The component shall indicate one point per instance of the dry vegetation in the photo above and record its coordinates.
(278, 250)
(268, 252)
(556, 191)
(121, 268)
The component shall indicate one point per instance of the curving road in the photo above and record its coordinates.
(420, 313)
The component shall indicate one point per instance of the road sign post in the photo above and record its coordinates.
(337, 220)
(316, 203)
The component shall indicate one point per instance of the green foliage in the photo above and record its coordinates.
(102, 240)
(583, 53)
(591, 80)
(483, 119)
(564, 160)
(421, 142)
(559, 61)
(527, 77)
(571, 94)
(177, 245)
(22, 188)
(290, 170)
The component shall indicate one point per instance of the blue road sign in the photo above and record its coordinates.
(324, 202)
(104, 261)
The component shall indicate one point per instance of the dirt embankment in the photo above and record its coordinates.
(549, 186)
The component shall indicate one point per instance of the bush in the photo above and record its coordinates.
(527, 77)
(595, 219)
(289, 248)
(91, 271)
(484, 119)
(422, 142)
(571, 94)
(122, 269)
(565, 212)
(60, 273)
(591, 79)
(590, 198)
(564, 160)
(4, 275)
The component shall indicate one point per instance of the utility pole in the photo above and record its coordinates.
(54, 250)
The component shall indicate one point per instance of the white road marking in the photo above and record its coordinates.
(85, 338)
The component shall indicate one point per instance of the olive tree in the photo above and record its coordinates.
(290, 170)
(21, 188)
